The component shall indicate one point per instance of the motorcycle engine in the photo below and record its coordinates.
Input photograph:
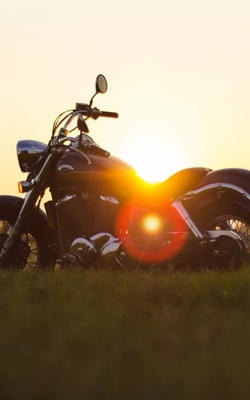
(106, 211)
(82, 216)
(73, 217)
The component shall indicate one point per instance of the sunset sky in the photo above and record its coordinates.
(178, 74)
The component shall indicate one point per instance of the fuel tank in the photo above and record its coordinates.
(108, 175)
(78, 169)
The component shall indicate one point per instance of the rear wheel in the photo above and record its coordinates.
(227, 217)
(31, 249)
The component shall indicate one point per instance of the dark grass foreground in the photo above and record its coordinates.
(105, 335)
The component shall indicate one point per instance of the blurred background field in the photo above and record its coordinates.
(118, 335)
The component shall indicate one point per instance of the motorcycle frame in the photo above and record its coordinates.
(184, 204)
(40, 184)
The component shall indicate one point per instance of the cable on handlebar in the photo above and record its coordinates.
(58, 122)
(83, 109)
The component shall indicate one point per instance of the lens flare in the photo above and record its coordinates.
(152, 223)
(151, 237)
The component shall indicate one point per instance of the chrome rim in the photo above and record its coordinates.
(233, 224)
(25, 255)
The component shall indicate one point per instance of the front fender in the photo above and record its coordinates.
(11, 201)
(15, 204)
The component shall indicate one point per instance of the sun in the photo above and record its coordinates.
(151, 169)
(152, 223)
(156, 149)
(153, 159)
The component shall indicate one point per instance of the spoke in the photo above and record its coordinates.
(29, 266)
(232, 224)
(4, 226)
(25, 256)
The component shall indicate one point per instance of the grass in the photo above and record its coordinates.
(105, 335)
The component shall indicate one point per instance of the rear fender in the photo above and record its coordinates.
(226, 185)
(233, 176)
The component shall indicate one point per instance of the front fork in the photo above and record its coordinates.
(28, 206)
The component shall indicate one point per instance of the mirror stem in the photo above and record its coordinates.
(91, 101)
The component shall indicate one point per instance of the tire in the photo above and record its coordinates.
(227, 216)
(31, 250)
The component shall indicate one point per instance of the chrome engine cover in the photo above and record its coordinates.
(84, 249)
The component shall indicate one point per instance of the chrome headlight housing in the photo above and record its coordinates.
(28, 153)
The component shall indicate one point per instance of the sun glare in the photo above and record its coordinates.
(158, 148)
(151, 173)
(152, 223)
(153, 160)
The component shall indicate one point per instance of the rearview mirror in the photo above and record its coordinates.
(101, 84)
(81, 124)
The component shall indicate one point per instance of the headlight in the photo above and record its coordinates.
(28, 153)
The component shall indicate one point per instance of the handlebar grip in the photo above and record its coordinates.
(109, 114)
(99, 151)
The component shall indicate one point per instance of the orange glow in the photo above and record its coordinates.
(151, 237)
(152, 223)
(156, 153)
(151, 165)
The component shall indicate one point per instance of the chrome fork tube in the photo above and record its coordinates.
(28, 206)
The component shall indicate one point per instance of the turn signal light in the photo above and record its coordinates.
(24, 186)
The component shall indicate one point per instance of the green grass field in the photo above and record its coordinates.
(105, 335)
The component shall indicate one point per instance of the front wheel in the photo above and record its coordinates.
(31, 250)
(223, 216)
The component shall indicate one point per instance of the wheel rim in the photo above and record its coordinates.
(26, 253)
(232, 223)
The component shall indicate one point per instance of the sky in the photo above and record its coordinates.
(178, 75)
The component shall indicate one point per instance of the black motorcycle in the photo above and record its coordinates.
(101, 214)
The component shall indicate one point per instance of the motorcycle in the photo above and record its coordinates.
(101, 214)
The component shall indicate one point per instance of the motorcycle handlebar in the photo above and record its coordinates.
(94, 113)
(92, 148)
(85, 109)
(109, 114)
(99, 151)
